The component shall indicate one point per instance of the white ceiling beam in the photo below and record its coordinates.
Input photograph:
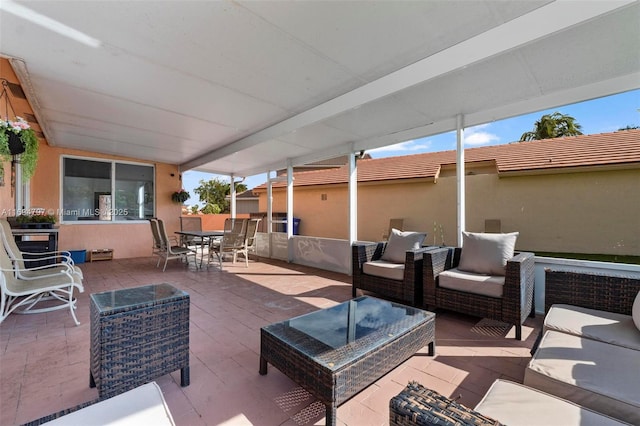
(546, 20)
(578, 94)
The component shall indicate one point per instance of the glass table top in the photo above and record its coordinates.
(335, 336)
(128, 298)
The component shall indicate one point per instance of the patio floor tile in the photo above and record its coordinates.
(45, 358)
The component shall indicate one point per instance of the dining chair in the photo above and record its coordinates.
(157, 246)
(232, 241)
(249, 245)
(191, 223)
(171, 249)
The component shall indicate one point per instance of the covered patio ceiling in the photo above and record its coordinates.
(240, 88)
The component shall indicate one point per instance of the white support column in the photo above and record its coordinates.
(353, 198)
(460, 177)
(18, 189)
(269, 212)
(232, 206)
(290, 211)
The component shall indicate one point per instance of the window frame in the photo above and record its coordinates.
(113, 163)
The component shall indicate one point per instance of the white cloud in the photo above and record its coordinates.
(403, 147)
(476, 136)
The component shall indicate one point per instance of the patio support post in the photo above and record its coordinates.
(269, 212)
(18, 189)
(233, 196)
(353, 198)
(290, 210)
(460, 176)
(353, 202)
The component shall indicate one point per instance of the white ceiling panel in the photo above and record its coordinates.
(244, 87)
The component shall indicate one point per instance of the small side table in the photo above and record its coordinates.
(137, 335)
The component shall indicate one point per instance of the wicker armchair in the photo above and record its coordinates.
(408, 290)
(512, 308)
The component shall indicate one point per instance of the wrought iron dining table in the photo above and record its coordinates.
(206, 238)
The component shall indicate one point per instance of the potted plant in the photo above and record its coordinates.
(18, 138)
(180, 196)
(36, 220)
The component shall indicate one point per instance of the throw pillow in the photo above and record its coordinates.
(399, 242)
(635, 311)
(484, 253)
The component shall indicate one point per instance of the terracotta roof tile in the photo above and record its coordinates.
(602, 149)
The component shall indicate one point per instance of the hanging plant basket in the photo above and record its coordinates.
(16, 146)
(180, 196)
(18, 141)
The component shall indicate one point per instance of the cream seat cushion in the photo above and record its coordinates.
(383, 269)
(592, 374)
(468, 282)
(515, 404)
(608, 327)
(143, 405)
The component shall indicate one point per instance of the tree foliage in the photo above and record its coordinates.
(214, 193)
(551, 126)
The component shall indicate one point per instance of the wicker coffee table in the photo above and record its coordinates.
(137, 335)
(335, 353)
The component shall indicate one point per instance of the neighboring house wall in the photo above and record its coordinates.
(587, 212)
(247, 206)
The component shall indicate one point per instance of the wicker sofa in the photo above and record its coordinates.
(399, 280)
(504, 403)
(590, 350)
(584, 371)
(512, 307)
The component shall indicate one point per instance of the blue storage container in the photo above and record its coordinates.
(78, 256)
(296, 226)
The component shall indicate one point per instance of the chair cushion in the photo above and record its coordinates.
(608, 327)
(143, 405)
(468, 282)
(515, 404)
(384, 269)
(593, 374)
(400, 242)
(635, 312)
(484, 253)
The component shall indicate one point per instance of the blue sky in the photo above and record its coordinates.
(601, 115)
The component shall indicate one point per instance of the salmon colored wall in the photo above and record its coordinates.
(127, 239)
(587, 212)
(215, 222)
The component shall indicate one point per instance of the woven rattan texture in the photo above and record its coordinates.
(419, 406)
(137, 346)
(50, 417)
(333, 387)
(519, 285)
(611, 293)
(407, 291)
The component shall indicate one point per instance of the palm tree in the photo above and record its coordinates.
(554, 125)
